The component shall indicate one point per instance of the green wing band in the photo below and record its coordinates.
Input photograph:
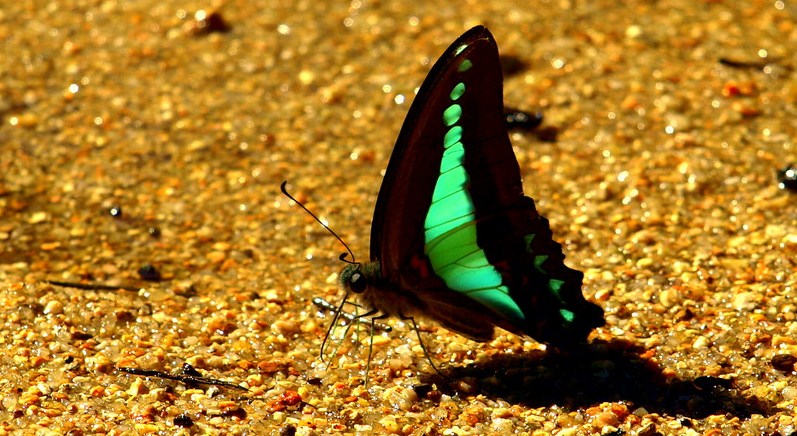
(457, 259)
(450, 226)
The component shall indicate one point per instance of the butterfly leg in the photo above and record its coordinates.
(371, 342)
(324, 304)
(338, 312)
(420, 341)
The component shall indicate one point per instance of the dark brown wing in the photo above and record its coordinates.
(516, 240)
(397, 231)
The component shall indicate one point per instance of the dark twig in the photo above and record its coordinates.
(92, 286)
(189, 376)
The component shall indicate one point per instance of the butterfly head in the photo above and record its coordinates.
(352, 278)
(357, 278)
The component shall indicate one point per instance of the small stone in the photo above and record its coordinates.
(197, 145)
(216, 256)
(97, 391)
(606, 419)
(287, 327)
(183, 420)
(28, 399)
(27, 120)
(399, 364)
(50, 246)
(789, 239)
(389, 424)
(149, 273)
(633, 31)
(700, 343)
(399, 397)
(38, 217)
(206, 22)
(378, 341)
(744, 301)
(306, 77)
(137, 388)
(53, 307)
(146, 428)
(669, 297)
(784, 363)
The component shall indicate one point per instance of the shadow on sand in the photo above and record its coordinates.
(600, 372)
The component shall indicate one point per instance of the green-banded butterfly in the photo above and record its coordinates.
(453, 238)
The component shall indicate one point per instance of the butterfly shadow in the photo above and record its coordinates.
(601, 372)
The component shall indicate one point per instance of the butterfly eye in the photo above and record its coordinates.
(357, 283)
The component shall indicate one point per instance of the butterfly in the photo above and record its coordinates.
(453, 237)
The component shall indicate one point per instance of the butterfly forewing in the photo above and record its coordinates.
(397, 231)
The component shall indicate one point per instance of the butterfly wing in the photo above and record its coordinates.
(452, 225)
(397, 230)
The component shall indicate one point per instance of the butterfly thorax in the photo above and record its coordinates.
(376, 293)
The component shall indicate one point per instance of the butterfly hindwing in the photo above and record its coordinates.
(452, 226)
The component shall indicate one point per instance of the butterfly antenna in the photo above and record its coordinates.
(332, 232)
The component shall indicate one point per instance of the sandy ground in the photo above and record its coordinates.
(672, 119)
